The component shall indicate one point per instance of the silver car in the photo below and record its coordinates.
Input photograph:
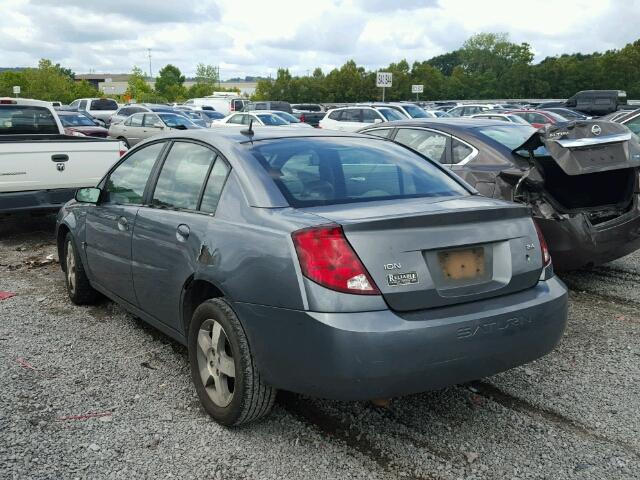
(141, 126)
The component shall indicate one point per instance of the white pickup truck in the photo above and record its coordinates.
(40, 166)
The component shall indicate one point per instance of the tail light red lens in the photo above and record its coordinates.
(544, 248)
(302, 119)
(326, 257)
(122, 152)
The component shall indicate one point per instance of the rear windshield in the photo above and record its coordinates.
(76, 120)
(26, 120)
(173, 120)
(327, 171)
(511, 136)
(103, 104)
(415, 112)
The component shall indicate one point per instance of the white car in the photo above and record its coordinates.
(100, 108)
(468, 110)
(503, 117)
(352, 119)
(260, 118)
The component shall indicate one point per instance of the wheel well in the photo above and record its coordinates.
(62, 233)
(196, 292)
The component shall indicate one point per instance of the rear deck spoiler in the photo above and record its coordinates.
(587, 146)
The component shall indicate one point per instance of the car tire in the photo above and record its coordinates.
(125, 141)
(78, 287)
(223, 369)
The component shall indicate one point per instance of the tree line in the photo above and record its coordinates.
(488, 65)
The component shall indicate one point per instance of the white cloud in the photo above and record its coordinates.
(247, 37)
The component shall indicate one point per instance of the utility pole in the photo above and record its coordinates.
(149, 55)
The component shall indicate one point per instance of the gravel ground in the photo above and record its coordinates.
(572, 414)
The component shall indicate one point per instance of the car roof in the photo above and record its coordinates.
(463, 123)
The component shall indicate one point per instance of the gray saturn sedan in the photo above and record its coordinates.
(318, 262)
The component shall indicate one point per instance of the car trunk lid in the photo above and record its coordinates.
(586, 146)
(425, 253)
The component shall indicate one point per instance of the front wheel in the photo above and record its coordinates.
(223, 368)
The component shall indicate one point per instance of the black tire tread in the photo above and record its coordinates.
(259, 398)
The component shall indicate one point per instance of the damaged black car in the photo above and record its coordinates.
(580, 178)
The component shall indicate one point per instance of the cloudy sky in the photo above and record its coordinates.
(256, 37)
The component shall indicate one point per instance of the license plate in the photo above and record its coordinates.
(462, 264)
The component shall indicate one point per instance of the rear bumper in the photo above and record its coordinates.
(575, 243)
(382, 354)
(35, 200)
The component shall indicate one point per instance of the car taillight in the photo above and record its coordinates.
(326, 257)
(544, 248)
(302, 119)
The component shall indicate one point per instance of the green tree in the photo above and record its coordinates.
(137, 86)
(169, 83)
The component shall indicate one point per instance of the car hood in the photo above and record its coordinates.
(585, 146)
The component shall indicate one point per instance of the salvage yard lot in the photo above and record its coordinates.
(573, 414)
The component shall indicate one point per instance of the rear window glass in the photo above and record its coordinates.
(26, 120)
(103, 104)
(327, 171)
(391, 114)
(271, 119)
(511, 136)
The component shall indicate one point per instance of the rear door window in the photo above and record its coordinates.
(429, 143)
(325, 171)
(370, 115)
(337, 115)
(126, 184)
(351, 115)
(236, 119)
(83, 105)
(182, 176)
(460, 151)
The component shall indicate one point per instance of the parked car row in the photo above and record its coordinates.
(409, 255)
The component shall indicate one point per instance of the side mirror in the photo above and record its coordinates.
(88, 195)
(377, 120)
(158, 125)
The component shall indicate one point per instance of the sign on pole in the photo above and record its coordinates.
(384, 80)
(417, 89)
(16, 90)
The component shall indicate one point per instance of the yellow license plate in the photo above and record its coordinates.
(462, 264)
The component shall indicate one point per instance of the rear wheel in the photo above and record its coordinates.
(78, 287)
(222, 367)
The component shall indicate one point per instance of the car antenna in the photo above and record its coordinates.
(249, 131)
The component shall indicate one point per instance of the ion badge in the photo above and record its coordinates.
(398, 279)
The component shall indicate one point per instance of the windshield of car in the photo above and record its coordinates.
(76, 120)
(103, 104)
(330, 170)
(517, 119)
(162, 109)
(25, 120)
(557, 117)
(173, 120)
(271, 119)
(391, 114)
(287, 117)
(415, 112)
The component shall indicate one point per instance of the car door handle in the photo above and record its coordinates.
(123, 224)
(60, 157)
(183, 231)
